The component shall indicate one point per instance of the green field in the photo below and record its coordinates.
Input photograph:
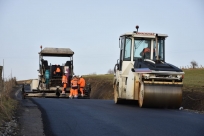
(194, 79)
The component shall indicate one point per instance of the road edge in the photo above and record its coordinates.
(29, 117)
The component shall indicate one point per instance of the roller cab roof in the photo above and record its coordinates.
(56, 52)
(144, 34)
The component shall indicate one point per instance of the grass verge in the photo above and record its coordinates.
(193, 80)
(7, 104)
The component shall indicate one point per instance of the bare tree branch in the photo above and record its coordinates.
(194, 64)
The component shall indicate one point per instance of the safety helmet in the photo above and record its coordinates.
(80, 75)
(74, 75)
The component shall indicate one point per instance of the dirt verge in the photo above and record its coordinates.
(193, 100)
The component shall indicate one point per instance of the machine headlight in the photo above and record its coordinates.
(146, 76)
(180, 76)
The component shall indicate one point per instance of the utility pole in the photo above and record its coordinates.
(3, 69)
(3, 76)
(11, 78)
(1, 80)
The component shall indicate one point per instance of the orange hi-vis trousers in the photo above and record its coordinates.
(73, 92)
(82, 90)
(64, 87)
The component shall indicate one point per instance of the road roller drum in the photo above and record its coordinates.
(161, 96)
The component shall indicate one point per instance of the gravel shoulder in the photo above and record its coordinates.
(28, 117)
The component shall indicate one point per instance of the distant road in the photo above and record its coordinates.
(83, 117)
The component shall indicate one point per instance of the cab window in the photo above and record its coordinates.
(139, 46)
(160, 50)
(127, 49)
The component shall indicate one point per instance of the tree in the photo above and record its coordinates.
(194, 64)
(110, 71)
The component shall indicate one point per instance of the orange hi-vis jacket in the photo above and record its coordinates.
(64, 79)
(81, 82)
(74, 82)
(58, 70)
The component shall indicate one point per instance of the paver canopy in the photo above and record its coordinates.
(57, 52)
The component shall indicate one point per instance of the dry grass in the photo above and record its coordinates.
(7, 104)
(101, 86)
(106, 77)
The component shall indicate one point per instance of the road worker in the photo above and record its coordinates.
(47, 78)
(145, 53)
(64, 83)
(39, 79)
(81, 84)
(58, 71)
(145, 50)
(74, 87)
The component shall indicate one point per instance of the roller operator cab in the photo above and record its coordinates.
(142, 74)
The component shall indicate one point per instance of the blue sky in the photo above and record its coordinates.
(91, 28)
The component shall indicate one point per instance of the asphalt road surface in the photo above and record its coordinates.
(90, 117)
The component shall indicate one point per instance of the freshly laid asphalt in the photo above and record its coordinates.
(91, 117)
